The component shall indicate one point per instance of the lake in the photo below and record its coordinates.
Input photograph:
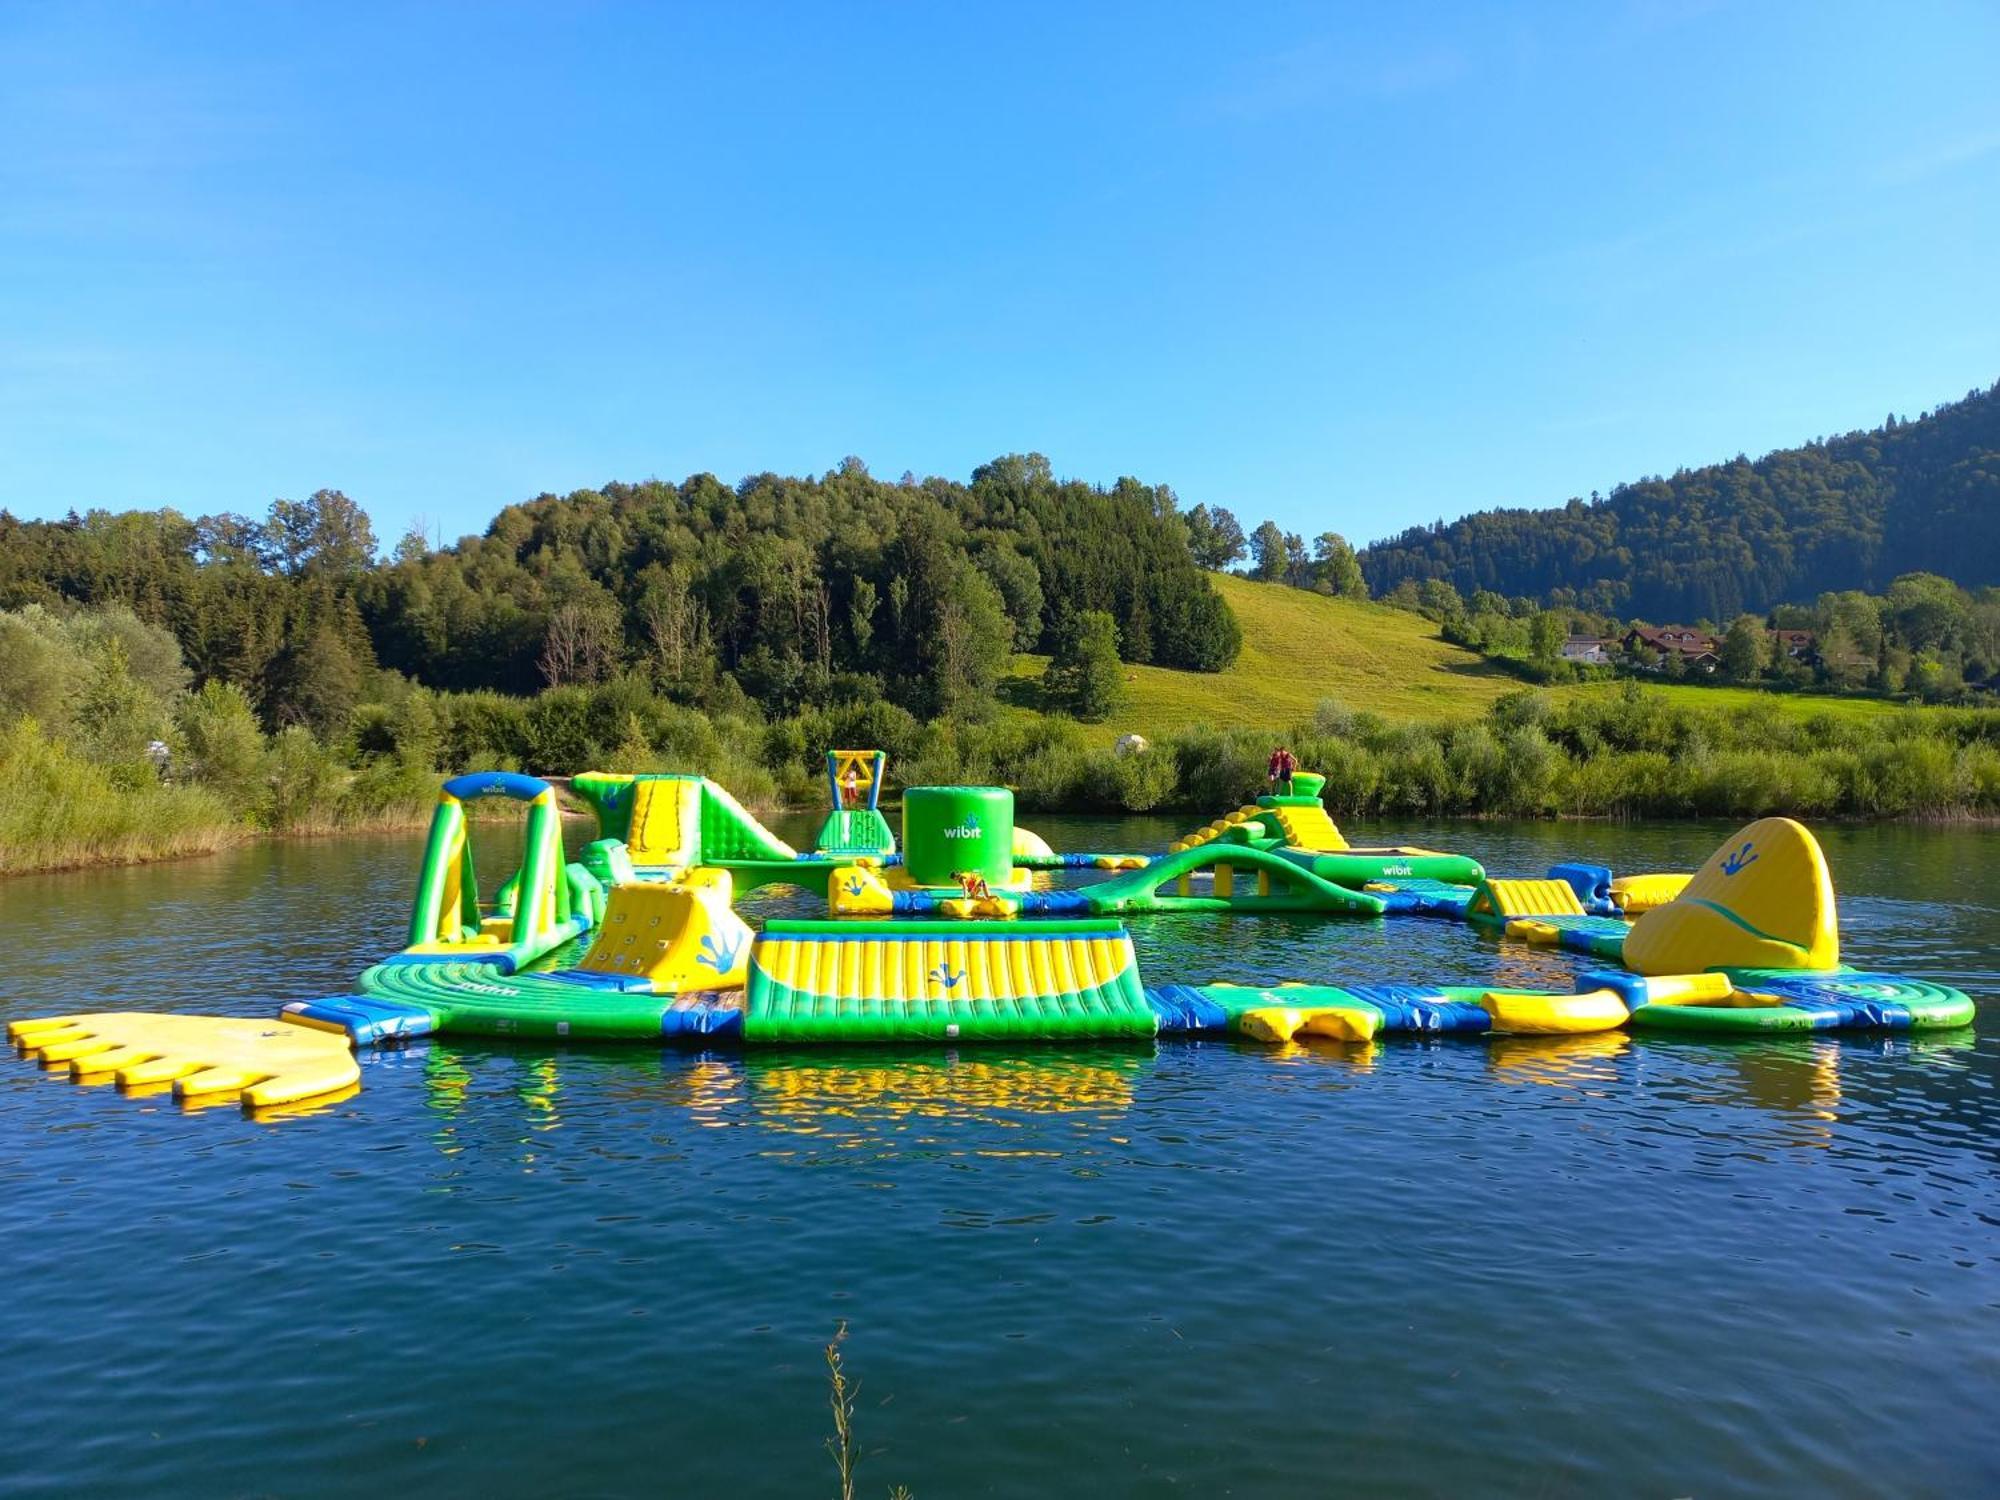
(1608, 1264)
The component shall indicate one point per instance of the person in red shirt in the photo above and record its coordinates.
(1283, 763)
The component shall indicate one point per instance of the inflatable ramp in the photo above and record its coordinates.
(675, 821)
(675, 936)
(1303, 823)
(944, 981)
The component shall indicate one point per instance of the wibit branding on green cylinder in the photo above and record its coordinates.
(969, 829)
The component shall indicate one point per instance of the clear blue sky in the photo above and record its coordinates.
(1349, 268)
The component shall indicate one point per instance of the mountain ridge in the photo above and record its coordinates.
(1846, 512)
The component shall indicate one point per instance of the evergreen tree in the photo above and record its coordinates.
(1267, 549)
(1084, 676)
(1851, 512)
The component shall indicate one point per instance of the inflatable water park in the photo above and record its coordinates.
(959, 932)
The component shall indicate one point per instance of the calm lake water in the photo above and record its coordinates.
(1602, 1265)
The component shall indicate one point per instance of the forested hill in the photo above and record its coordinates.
(1849, 512)
(794, 591)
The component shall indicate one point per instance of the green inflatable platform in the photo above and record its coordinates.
(944, 981)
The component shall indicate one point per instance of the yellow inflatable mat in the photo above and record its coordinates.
(203, 1057)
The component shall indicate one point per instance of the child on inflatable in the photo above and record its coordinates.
(1283, 764)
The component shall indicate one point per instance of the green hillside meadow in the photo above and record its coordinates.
(1301, 647)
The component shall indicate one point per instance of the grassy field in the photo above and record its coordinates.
(1299, 648)
(1719, 697)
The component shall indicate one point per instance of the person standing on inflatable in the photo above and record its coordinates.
(850, 786)
(1283, 763)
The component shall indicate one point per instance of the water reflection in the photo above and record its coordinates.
(842, 1097)
(804, 1093)
(1573, 1062)
(850, 1095)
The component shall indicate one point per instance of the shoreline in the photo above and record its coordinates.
(224, 840)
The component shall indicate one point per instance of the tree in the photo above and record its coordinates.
(580, 645)
(221, 744)
(314, 681)
(1215, 539)
(1084, 675)
(1336, 570)
(1743, 649)
(1928, 611)
(676, 625)
(1020, 585)
(972, 637)
(1298, 562)
(1267, 547)
(1546, 632)
(861, 602)
(326, 533)
(1438, 600)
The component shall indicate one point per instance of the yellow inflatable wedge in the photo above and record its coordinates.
(1519, 1014)
(1633, 894)
(1763, 901)
(679, 935)
(203, 1057)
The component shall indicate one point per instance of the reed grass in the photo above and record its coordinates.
(61, 811)
(843, 1447)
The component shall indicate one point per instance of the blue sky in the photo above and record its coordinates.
(1352, 267)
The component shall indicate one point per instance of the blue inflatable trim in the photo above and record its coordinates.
(365, 1018)
(1424, 898)
(1627, 986)
(1411, 1007)
(620, 984)
(1592, 884)
(704, 1014)
(1833, 1004)
(496, 784)
(1185, 1011)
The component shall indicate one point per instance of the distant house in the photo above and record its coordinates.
(1697, 650)
(1797, 644)
(1591, 650)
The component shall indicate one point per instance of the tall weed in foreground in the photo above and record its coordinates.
(842, 1447)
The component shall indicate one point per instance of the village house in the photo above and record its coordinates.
(1697, 650)
(1588, 650)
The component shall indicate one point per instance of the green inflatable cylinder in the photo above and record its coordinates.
(950, 831)
(1307, 783)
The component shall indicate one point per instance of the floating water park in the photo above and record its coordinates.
(958, 932)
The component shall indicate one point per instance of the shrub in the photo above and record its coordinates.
(300, 775)
(62, 809)
(483, 731)
(1218, 768)
(1130, 783)
(221, 746)
(556, 732)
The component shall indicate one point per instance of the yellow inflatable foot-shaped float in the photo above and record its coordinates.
(205, 1058)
